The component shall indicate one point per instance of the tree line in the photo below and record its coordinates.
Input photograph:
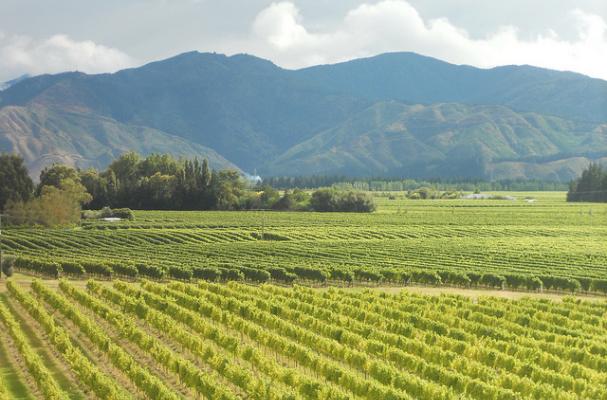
(384, 184)
(155, 182)
(591, 186)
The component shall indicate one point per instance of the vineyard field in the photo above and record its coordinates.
(178, 340)
(536, 242)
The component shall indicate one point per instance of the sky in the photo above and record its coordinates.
(41, 36)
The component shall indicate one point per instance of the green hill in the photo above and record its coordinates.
(446, 140)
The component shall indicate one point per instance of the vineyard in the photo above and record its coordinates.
(543, 244)
(122, 340)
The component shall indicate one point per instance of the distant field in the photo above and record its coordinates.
(544, 238)
(237, 341)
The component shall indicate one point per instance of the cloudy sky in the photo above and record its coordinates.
(40, 36)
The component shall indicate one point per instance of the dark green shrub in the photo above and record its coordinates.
(255, 274)
(533, 283)
(515, 281)
(390, 275)
(229, 274)
(474, 277)
(72, 268)
(585, 283)
(328, 200)
(97, 268)
(7, 266)
(426, 277)
(180, 273)
(124, 213)
(599, 285)
(312, 274)
(151, 271)
(493, 281)
(363, 274)
(455, 278)
(561, 283)
(341, 274)
(405, 277)
(123, 269)
(281, 274)
(47, 268)
(207, 273)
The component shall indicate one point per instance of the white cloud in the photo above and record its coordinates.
(58, 53)
(395, 25)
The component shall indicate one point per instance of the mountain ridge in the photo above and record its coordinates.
(248, 112)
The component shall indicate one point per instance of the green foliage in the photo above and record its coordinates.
(15, 184)
(206, 273)
(228, 274)
(493, 280)
(55, 205)
(180, 273)
(124, 269)
(591, 186)
(363, 274)
(410, 185)
(46, 268)
(161, 182)
(313, 274)
(455, 278)
(281, 274)
(599, 285)
(72, 268)
(55, 175)
(561, 283)
(42, 376)
(425, 193)
(255, 274)
(332, 200)
(89, 374)
(7, 266)
(426, 277)
(97, 269)
(271, 342)
(151, 271)
(341, 274)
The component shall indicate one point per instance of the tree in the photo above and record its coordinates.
(205, 174)
(591, 186)
(333, 200)
(286, 202)
(126, 167)
(55, 205)
(226, 187)
(15, 183)
(269, 196)
(323, 200)
(97, 186)
(157, 191)
(54, 175)
(153, 164)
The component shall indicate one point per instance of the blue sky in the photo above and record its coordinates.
(40, 36)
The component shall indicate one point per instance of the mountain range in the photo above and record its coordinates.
(396, 114)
